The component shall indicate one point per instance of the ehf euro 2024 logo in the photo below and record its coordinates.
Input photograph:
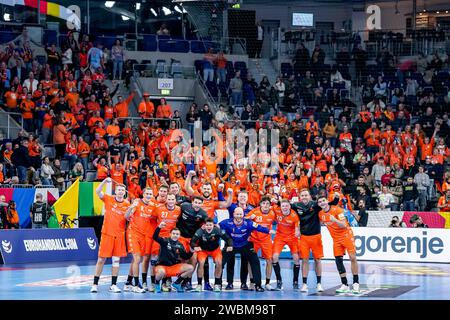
(91, 243)
(7, 246)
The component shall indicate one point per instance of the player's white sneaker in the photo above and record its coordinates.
(198, 288)
(304, 288)
(268, 287)
(150, 288)
(355, 288)
(94, 288)
(319, 288)
(127, 288)
(343, 289)
(114, 289)
(137, 289)
(252, 287)
(144, 286)
(165, 288)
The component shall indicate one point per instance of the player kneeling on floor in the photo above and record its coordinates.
(206, 243)
(171, 253)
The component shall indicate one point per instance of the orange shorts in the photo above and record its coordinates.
(279, 243)
(186, 242)
(154, 251)
(148, 245)
(311, 243)
(346, 244)
(215, 254)
(135, 242)
(111, 246)
(171, 271)
(266, 248)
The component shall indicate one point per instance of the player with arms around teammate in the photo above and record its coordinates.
(139, 233)
(310, 236)
(288, 231)
(206, 243)
(265, 217)
(112, 244)
(171, 254)
(343, 240)
(240, 229)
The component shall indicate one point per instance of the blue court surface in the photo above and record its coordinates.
(379, 280)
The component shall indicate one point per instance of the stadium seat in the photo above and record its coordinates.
(91, 175)
(65, 165)
(176, 70)
(198, 47)
(150, 43)
(160, 68)
(286, 70)
(49, 151)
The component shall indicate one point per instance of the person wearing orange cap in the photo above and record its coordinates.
(146, 108)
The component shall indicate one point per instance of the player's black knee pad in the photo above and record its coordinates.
(340, 264)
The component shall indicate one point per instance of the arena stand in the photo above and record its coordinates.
(323, 97)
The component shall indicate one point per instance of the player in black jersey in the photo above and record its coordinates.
(171, 254)
(191, 219)
(310, 236)
(206, 243)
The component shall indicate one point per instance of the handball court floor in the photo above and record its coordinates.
(379, 280)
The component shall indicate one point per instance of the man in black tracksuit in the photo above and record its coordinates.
(410, 195)
(191, 219)
(206, 243)
(310, 238)
(171, 254)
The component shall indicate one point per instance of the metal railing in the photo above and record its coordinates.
(137, 120)
(153, 71)
(213, 104)
(228, 43)
(9, 125)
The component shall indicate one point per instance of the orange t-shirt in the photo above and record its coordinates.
(286, 225)
(113, 130)
(117, 175)
(102, 172)
(142, 220)
(164, 111)
(27, 108)
(336, 232)
(114, 220)
(170, 217)
(11, 99)
(83, 147)
(263, 219)
(15, 217)
(146, 109)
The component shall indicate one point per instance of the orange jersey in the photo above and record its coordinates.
(263, 219)
(170, 217)
(210, 206)
(286, 225)
(114, 221)
(142, 221)
(336, 232)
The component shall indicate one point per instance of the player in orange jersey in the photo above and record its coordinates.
(151, 254)
(264, 216)
(112, 244)
(139, 236)
(288, 232)
(168, 213)
(210, 205)
(343, 240)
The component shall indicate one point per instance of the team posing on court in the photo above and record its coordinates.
(170, 235)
